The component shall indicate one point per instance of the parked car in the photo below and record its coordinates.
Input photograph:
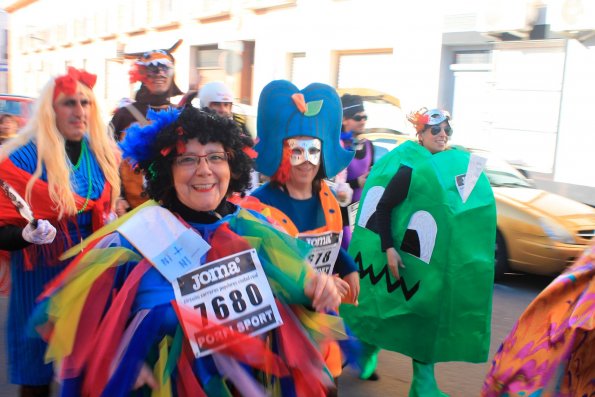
(17, 105)
(538, 232)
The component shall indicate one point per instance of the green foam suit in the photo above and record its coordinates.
(440, 310)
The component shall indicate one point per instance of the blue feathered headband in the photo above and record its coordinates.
(285, 112)
(138, 145)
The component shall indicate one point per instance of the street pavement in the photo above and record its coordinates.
(6, 389)
(511, 297)
(457, 379)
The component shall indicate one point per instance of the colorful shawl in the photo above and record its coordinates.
(551, 349)
(44, 208)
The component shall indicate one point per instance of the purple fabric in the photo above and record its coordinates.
(358, 167)
(346, 237)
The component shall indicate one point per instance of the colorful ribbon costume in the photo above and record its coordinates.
(551, 349)
(111, 311)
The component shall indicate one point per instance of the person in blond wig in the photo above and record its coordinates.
(64, 163)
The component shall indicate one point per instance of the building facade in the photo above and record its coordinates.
(515, 74)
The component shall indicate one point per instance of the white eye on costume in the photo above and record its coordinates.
(368, 207)
(419, 238)
(304, 149)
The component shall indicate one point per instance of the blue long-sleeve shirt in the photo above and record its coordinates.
(306, 215)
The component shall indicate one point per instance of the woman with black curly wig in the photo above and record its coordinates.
(196, 130)
(189, 294)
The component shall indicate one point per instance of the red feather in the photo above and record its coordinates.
(282, 174)
(246, 349)
(113, 325)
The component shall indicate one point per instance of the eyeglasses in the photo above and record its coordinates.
(157, 70)
(435, 129)
(193, 160)
(358, 117)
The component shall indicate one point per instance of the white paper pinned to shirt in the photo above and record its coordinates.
(465, 183)
(167, 243)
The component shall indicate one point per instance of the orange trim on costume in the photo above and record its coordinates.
(330, 206)
(332, 211)
(274, 216)
(331, 352)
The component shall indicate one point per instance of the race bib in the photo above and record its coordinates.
(232, 293)
(325, 250)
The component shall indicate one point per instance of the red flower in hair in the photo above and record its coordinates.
(180, 146)
(88, 79)
(67, 84)
(136, 74)
(423, 119)
(419, 119)
(250, 152)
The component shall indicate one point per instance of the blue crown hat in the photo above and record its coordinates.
(279, 118)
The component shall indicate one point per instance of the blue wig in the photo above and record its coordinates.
(138, 143)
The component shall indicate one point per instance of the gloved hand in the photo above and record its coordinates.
(44, 233)
(344, 193)
(112, 216)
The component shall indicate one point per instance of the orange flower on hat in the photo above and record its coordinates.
(419, 119)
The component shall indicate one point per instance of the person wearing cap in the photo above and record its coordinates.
(217, 96)
(298, 148)
(155, 71)
(8, 127)
(353, 125)
(424, 241)
(65, 166)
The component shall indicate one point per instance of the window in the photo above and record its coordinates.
(473, 57)
(364, 69)
(299, 73)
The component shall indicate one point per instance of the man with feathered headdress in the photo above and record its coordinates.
(155, 70)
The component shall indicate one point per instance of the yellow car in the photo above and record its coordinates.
(538, 232)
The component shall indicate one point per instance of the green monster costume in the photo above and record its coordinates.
(440, 310)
